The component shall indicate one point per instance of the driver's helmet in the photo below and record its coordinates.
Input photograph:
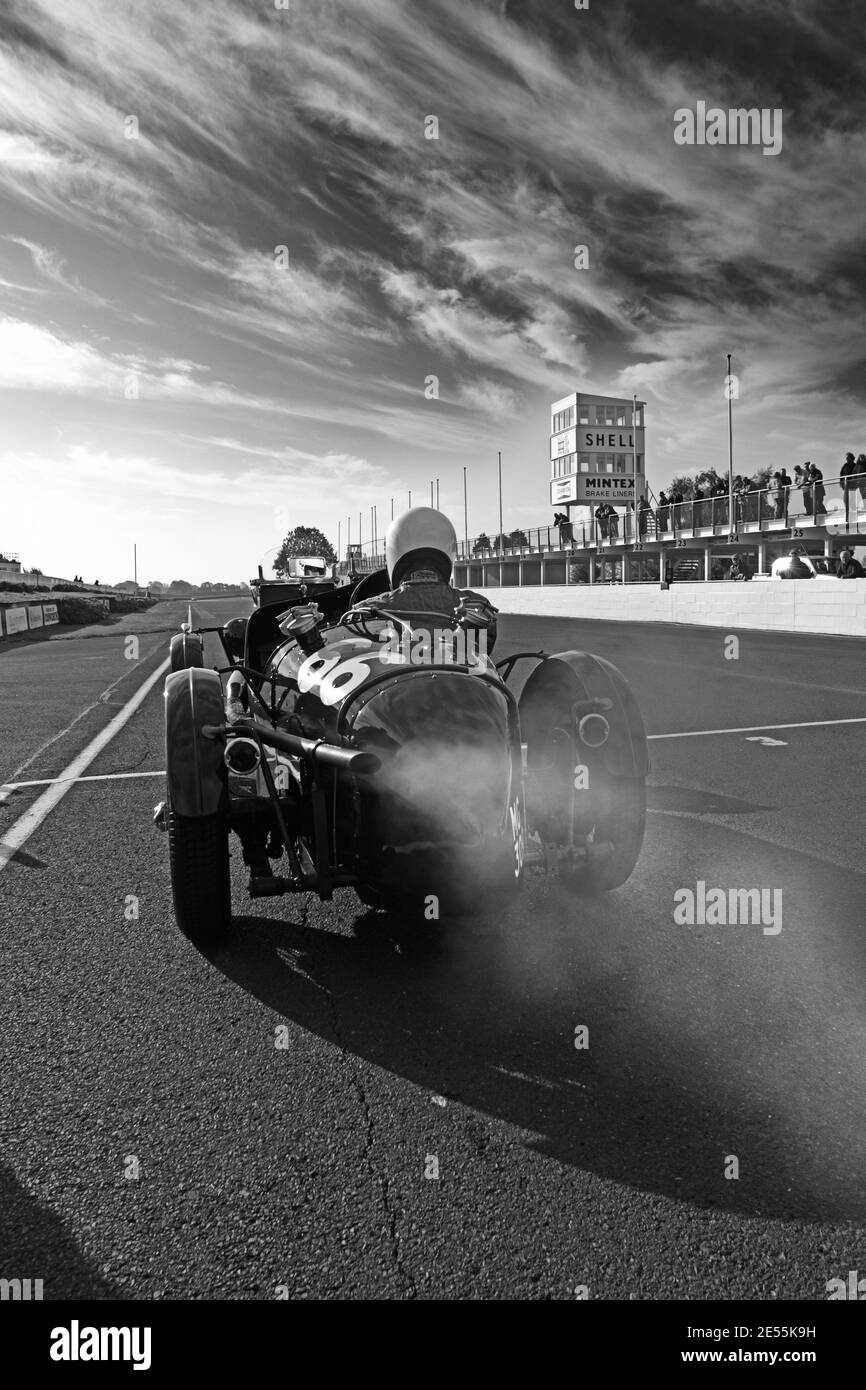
(421, 538)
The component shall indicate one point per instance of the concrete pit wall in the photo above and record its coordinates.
(786, 605)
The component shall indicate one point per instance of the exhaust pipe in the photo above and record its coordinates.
(593, 730)
(242, 755)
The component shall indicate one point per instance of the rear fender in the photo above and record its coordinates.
(195, 772)
(571, 677)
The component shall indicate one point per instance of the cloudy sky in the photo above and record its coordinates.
(168, 379)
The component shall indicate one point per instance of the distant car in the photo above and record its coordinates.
(799, 566)
(307, 576)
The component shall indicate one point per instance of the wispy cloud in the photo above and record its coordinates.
(411, 257)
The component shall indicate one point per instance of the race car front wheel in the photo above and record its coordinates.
(198, 849)
(186, 649)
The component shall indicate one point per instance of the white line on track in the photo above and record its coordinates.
(70, 779)
(6, 788)
(20, 832)
(759, 728)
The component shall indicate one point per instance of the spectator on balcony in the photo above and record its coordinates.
(602, 516)
(801, 481)
(643, 509)
(816, 478)
(612, 522)
(846, 480)
(777, 497)
(785, 480)
(852, 477)
(848, 567)
(720, 503)
(663, 513)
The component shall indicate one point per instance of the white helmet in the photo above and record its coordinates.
(421, 537)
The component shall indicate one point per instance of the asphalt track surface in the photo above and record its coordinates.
(310, 1166)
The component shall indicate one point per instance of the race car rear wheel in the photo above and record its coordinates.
(622, 830)
(606, 767)
(186, 649)
(198, 849)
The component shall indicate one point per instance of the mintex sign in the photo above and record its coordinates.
(593, 487)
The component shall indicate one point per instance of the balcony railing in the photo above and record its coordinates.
(838, 507)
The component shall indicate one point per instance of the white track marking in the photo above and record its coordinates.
(8, 787)
(759, 728)
(100, 699)
(20, 832)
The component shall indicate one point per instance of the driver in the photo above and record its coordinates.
(420, 548)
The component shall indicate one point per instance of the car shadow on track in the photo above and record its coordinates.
(34, 1244)
(685, 1067)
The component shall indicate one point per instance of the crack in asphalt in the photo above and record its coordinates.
(380, 1180)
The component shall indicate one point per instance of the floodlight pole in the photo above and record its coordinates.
(633, 468)
(501, 538)
(730, 451)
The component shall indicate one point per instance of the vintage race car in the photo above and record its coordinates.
(307, 576)
(387, 752)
